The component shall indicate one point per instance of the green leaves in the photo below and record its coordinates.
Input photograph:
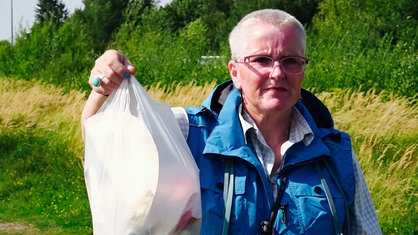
(51, 10)
(354, 44)
(351, 44)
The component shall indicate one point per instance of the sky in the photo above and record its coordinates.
(24, 14)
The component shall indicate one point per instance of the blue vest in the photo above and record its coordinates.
(215, 134)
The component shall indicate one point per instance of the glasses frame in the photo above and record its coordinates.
(246, 60)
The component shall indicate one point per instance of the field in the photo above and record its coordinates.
(42, 187)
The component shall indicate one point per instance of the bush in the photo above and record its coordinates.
(372, 54)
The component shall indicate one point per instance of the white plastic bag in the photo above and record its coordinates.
(140, 175)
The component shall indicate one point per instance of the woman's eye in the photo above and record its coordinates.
(291, 61)
(262, 60)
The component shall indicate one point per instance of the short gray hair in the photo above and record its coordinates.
(270, 16)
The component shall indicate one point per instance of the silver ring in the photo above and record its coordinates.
(97, 80)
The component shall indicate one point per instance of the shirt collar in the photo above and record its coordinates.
(299, 127)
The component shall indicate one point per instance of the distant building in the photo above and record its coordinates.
(206, 58)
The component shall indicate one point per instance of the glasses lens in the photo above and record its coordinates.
(293, 65)
(260, 61)
(290, 65)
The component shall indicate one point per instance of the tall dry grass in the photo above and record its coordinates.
(27, 105)
(384, 130)
(185, 95)
(376, 115)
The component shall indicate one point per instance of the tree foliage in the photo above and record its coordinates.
(351, 44)
(51, 10)
(101, 18)
(367, 44)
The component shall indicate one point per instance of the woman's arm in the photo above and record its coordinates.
(364, 219)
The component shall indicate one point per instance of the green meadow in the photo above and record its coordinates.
(42, 188)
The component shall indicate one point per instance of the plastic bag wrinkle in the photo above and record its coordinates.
(140, 175)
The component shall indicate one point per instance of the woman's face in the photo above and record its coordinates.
(268, 91)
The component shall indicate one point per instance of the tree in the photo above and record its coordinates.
(51, 10)
(102, 18)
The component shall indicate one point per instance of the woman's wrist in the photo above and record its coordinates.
(95, 93)
(93, 104)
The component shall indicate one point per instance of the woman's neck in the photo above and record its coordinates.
(274, 126)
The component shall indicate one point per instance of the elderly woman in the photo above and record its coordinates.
(270, 160)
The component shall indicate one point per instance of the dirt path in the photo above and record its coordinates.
(14, 227)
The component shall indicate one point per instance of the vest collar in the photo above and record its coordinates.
(227, 138)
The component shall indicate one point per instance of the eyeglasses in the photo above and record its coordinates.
(292, 65)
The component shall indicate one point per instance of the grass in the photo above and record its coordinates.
(42, 187)
(41, 181)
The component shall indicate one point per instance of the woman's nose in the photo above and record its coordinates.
(277, 71)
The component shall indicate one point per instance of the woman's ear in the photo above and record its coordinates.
(233, 71)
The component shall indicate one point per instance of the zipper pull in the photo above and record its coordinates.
(283, 208)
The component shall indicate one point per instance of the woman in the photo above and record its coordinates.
(267, 165)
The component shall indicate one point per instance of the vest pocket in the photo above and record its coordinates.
(314, 213)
